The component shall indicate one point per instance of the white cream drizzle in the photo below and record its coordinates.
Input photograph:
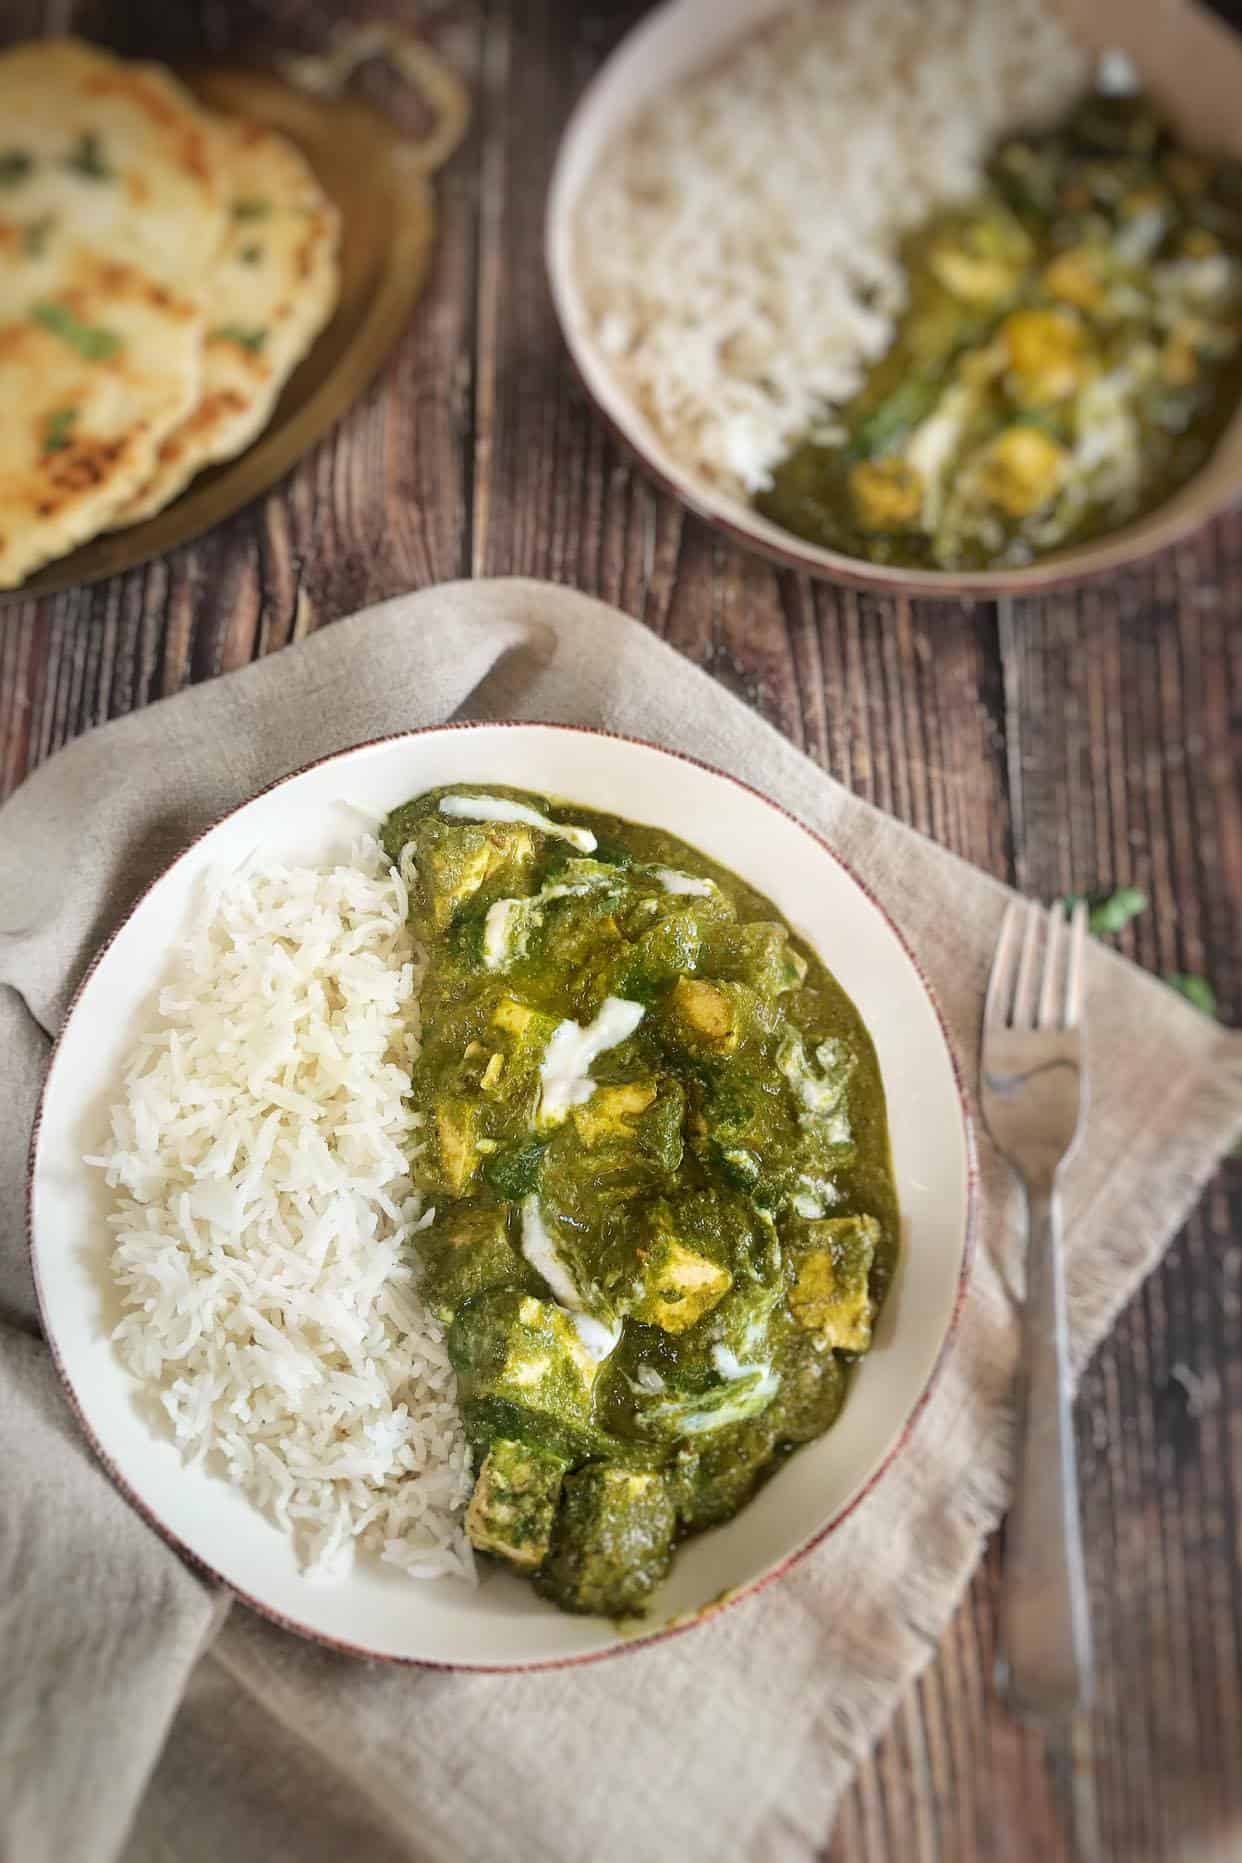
(675, 882)
(501, 809)
(540, 1251)
(539, 1248)
(565, 1072)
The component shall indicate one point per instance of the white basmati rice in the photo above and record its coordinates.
(737, 249)
(264, 1214)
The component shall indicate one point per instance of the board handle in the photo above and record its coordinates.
(327, 74)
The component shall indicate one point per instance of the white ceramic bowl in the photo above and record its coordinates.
(502, 1624)
(1189, 61)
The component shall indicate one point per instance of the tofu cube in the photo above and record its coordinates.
(611, 1543)
(464, 1253)
(514, 1502)
(677, 1285)
(831, 1264)
(510, 1348)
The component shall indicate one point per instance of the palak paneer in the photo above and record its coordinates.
(1070, 354)
(656, 1148)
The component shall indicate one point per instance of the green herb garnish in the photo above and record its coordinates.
(250, 255)
(514, 1172)
(90, 340)
(15, 165)
(1109, 912)
(36, 235)
(253, 340)
(1196, 990)
(86, 158)
(256, 209)
(58, 433)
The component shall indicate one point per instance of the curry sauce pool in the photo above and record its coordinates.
(658, 1155)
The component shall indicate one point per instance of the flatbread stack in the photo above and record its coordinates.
(162, 272)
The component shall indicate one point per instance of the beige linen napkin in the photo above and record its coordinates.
(143, 1716)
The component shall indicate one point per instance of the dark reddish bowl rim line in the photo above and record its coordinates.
(690, 1620)
(1046, 578)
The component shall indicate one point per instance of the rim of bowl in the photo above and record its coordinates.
(687, 1621)
(1170, 523)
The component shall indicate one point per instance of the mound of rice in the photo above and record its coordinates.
(737, 250)
(264, 1215)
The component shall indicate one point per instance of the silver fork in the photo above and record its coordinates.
(1032, 1092)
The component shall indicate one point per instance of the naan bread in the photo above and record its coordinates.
(112, 155)
(93, 376)
(271, 290)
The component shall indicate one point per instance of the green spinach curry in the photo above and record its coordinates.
(1070, 354)
(657, 1152)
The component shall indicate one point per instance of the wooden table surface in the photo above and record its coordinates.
(1087, 738)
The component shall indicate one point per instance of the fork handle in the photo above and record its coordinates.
(1045, 1631)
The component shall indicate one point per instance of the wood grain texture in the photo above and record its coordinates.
(1088, 738)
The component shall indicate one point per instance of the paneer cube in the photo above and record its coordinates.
(455, 861)
(522, 1035)
(703, 1015)
(610, 1111)
(612, 1541)
(887, 494)
(677, 1285)
(514, 1502)
(526, 1031)
(452, 865)
(465, 1252)
(512, 1349)
(830, 1293)
(457, 1143)
(981, 254)
(659, 955)
(1074, 277)
(1049, 353)
(759, 954)
(1022, 470)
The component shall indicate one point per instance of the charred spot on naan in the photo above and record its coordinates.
(93, 378)
(149, 90)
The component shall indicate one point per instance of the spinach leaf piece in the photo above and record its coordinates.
(253, 209)
(514, 1172)
(90, 340)
(1196, 990)
(1109, 912)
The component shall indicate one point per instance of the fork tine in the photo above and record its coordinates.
(1000, 982)
(1076, 965)
(1050, 997)
(1024, 995)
